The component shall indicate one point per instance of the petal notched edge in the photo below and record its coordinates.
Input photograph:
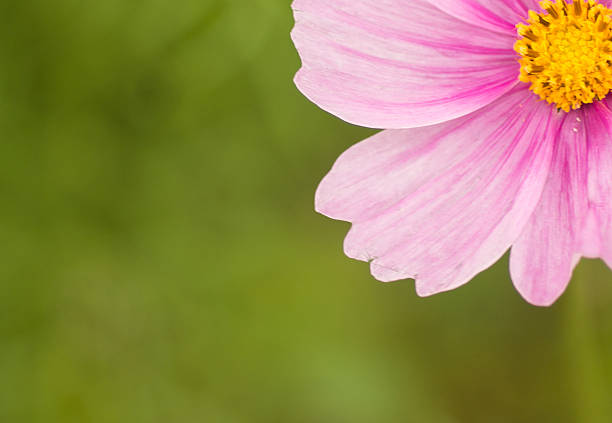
(442, 203)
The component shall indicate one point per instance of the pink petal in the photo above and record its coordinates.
(440, 204)
(495, 15)
(544, 256)
(398, 64)
(597, 231)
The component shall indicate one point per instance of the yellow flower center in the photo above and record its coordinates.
(567, 52)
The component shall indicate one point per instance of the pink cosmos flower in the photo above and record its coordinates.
(496, 136)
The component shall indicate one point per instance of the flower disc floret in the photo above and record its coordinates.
(567, 52)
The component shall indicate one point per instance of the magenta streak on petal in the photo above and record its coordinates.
(495, 15)
(597, 230)
(475, 13)
(544, 256)
(464, 95)
(443, 45)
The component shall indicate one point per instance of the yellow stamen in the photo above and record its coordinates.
(567, 52)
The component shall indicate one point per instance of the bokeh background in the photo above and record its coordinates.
(162, 262)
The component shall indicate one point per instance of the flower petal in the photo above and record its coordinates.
(543, 258)
(597, 231)
(397, 64)
(496, 15)
(442, 203)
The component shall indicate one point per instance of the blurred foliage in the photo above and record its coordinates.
(162, 261)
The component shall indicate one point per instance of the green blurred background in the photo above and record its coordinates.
(162, 262)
